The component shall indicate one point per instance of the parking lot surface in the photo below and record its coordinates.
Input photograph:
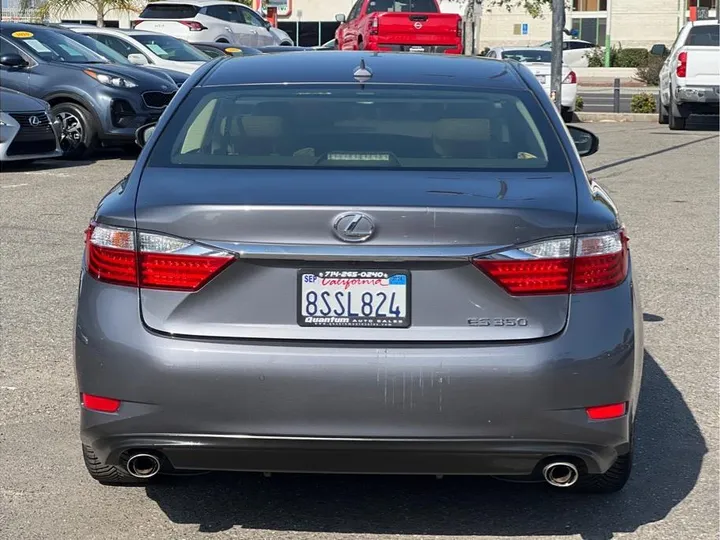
(666, 185)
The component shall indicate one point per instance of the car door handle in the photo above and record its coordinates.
(228, 29)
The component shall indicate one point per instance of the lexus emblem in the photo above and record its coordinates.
(353, 227)
(34, 121)
(417, 25)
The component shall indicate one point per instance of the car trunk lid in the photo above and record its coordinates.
(284, 242)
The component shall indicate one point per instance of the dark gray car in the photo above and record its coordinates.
(360, 262)
(97, 102)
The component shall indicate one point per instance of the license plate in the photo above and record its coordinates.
(541, 78)
(354, 298)
(417, 49)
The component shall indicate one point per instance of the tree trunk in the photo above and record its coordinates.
(100, 14)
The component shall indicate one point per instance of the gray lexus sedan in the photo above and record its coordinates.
(360, 263)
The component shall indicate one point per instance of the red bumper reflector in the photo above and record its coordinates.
(606, 412)
(100, 404)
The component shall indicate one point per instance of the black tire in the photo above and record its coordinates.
(662, 112)
(78, 131)
(222, 41)
(131, 149)
(361, 45)
(108, 475)
(567, 115)
(612, 481)
(676, 121)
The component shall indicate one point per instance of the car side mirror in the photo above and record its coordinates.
(658, 50)
(12, 60)
(340, 17)
(586, 142)
(143, 134)
(137, 59)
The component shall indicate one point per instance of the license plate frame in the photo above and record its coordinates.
(350, 319)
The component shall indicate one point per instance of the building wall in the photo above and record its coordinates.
(641, 23)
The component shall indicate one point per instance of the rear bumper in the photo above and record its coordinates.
(375, 408)
(697, 94)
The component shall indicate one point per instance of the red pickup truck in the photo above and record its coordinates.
(399, 25)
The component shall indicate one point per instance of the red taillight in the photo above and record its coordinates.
(100, 404)
(606, 412)
(552, 267)
(375, 26)
(571, 78)
(194, 26)
(148, 260)
(134, 23)
(459, 30)
(681, 70)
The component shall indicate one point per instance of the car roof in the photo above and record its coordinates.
(705, 22)
(389, 68)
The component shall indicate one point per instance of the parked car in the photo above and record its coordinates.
(400, 25)
(114, 57)
(379, 263)
(143, 48)
(575, 51)
(539, 60)
(690, 76)
(281, 36)
(215, 49)
(28, 130)
(207, 20)
(327, 46)
(97, 103)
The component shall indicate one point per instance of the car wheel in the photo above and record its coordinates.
(567, 115)
(108, 475)
(132, 149)
(222, 40)
(662, 112)
(675, 119)
(78, 135)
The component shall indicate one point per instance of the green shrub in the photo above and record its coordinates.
(632, 58)
(643, 103)
(579, 103)
(650, 74)
(596, 58)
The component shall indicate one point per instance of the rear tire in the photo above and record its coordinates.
(676, 120)
(567, 115)
(78, 134)
(662, 112)
(611, 481)
(107, 475)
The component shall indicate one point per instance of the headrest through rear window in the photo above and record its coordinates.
(463, 129)
(264, 127)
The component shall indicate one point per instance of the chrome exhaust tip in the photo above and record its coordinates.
(561, 474)
(143, 465)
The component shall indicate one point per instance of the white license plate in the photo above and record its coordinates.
(540, 78)
(417, 49)
(354, 298)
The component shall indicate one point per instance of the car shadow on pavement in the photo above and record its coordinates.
(669, 455)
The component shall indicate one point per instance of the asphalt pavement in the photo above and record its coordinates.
(666, 185)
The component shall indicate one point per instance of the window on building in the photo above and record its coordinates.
(710, 4)
(590, 5)
(592, 29)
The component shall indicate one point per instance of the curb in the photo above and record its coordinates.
(616, 117)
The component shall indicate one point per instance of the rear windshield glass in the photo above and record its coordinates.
(169, 11)
(170, 48)
(403, 6)
(378, 127)
(533, 55)
(704, 36)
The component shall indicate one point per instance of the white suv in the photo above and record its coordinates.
(199, 21)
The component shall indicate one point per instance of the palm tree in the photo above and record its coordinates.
(58, 8)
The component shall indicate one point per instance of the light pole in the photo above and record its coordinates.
(608, 32)
(558, 27)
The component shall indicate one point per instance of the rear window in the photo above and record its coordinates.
(704, 36)
(381, 127)
(170, 48)
(528, 55)
(403, 6)
(169, 11)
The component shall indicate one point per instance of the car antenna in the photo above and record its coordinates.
(362, 74)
